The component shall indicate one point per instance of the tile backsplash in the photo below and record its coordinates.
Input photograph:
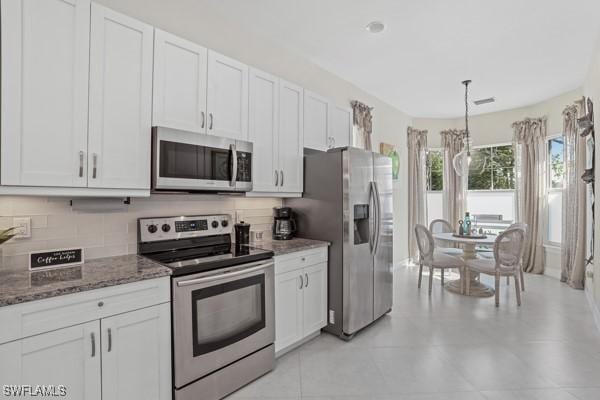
(55, 225)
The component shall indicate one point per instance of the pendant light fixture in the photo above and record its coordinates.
(465, 154)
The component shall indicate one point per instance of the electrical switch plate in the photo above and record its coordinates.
(22, 227)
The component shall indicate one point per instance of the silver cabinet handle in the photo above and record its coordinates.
(81, 155)
(202, 118)
(210, 120)
(109, 340)
(93, 337)
(301, 282)
(94, 163)
(306, 276)
(276, 178)
(281, 177)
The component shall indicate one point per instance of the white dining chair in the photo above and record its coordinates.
(490, 254)
(508, 252)
(443, 226)
(432, 258)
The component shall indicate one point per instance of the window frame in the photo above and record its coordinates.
(550, 189)
(487, 146)
(427, 180)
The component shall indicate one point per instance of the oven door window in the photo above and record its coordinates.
(226, 313)
(188, 161)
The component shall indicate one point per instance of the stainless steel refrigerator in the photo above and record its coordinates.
(348, 201)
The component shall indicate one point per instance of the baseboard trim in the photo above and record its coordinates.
(593, 307)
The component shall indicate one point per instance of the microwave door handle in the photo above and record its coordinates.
(234, 165)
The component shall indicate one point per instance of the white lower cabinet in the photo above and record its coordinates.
(121, 356)
(136, 355)
(300, 297)
(69, 357)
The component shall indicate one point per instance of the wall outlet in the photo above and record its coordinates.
(331, 317)
(22, 227)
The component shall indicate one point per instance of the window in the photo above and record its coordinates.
(555, 185)
(492, 168)
(435, 184)
(435, 171)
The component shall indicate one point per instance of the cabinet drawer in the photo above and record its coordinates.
(299, 260)
(36, 317)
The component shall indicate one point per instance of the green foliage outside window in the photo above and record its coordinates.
(492, 168)
(435, 171)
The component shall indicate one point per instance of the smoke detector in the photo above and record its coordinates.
(481, 102)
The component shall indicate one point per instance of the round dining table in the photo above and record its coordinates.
(468, 245)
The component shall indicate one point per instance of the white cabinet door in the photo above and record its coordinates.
(291, 137)
(288, 309)
(179, 83)
(227, 99)
(316, 121)
(341, 127)
(314, 298)
(264, 130)
(44, 111)
(120, 101)
(136, 362)
(68, 356)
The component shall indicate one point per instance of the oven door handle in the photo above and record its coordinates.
(234, 165)
(218, 277)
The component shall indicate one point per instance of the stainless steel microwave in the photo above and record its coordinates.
(195, 162)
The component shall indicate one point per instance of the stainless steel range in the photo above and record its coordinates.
(222, 303)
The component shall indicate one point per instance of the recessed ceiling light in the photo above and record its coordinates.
(375, 27)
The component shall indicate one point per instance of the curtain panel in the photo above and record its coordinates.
(574, 200)
(454, 186)
(531, 149)
(363, 121)
(417, 186)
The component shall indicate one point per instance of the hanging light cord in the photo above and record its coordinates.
(466, 83)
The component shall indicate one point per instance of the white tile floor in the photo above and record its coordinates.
(452, 347)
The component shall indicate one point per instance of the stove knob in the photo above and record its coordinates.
(215, 224)
(152, 228)
(166, 227)
(224, 223)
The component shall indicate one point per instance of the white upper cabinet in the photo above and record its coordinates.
(227, 101)
(291, 138)
(316, 121)
(45, 60)
(120, 115)
(264, 130)
(180, 69)
(341, 126)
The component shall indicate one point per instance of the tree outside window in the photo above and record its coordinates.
(492, 168)
(435, 171)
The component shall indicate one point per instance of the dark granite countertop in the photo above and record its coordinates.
(281, 247)
(19, 286)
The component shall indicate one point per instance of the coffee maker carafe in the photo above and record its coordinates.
(284, 226)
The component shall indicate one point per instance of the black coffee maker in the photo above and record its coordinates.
(284, 225)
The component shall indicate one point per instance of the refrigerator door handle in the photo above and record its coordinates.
(373, 198)
(377, 217)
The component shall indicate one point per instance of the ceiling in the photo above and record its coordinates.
(519, 51)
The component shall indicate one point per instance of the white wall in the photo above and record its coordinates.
(494, 128)
(591, 88)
